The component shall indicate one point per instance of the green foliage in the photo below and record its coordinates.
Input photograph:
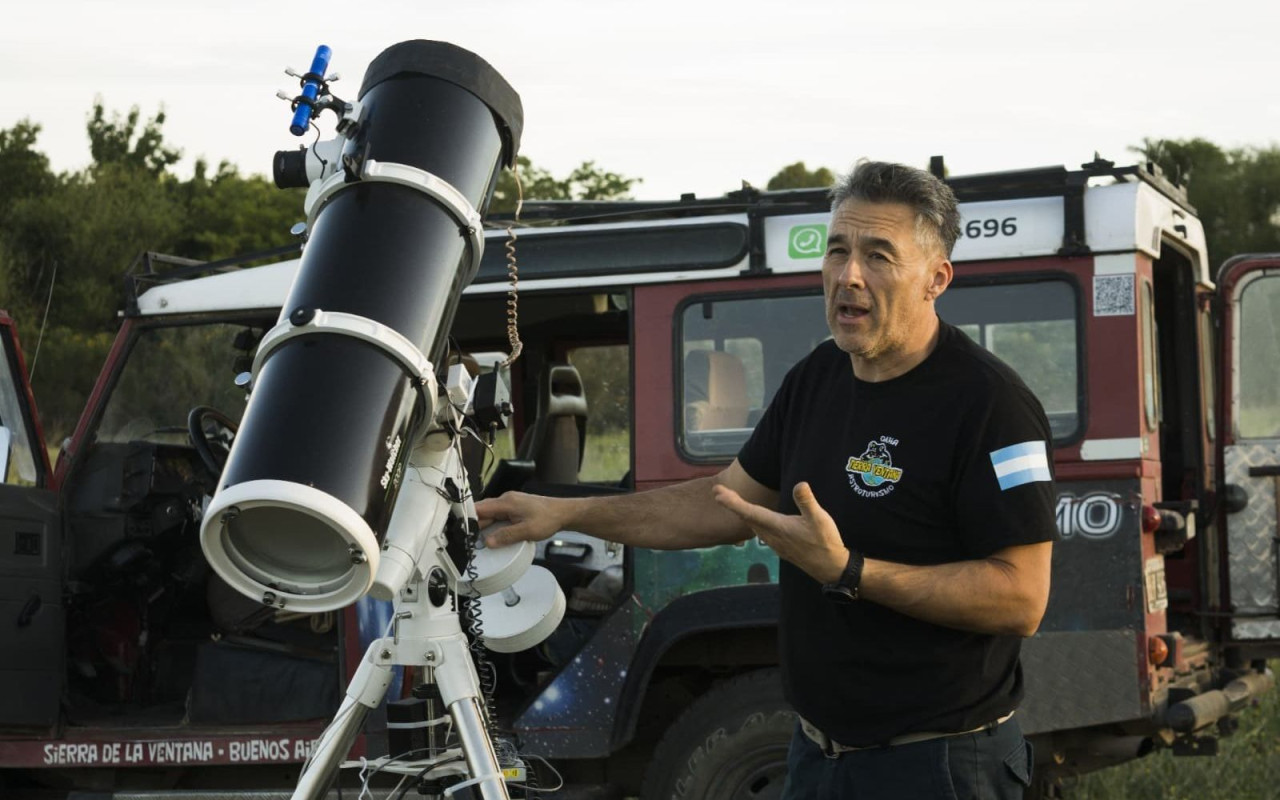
(1246, 768)
(63, 375)
(230, 214)
(170, 372)
(606, 456)
(1235, 191)
(798, 176)
(88, 227)
(606, 383)
(118, 142)
(1260, 350)
(585, 182)
(67, 239)
(24, 171)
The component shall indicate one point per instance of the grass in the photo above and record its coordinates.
(606, 455)
(1247, 767)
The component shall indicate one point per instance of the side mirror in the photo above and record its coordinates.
(5, 439)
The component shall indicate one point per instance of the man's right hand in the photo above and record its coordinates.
(532, 518)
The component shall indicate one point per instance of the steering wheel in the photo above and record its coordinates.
(211, 433)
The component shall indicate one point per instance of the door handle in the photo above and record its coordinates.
(558, 549)
(29, 610)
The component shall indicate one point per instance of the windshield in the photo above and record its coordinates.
(170, 371)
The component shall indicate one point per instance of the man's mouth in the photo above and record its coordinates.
(850, 312)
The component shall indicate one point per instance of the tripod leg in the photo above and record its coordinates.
(364, 693)
(478, 749)
(455, 675)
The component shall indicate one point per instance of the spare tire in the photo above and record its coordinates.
(729, 744)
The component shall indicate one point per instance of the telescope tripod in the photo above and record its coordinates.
(425, 632)
(431, 638)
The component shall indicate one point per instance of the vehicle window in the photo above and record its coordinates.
(1150, 359)
(168, 372)
(606, 382)
(16, 452)
(1208, 369)
(1259, 365)
(734, 354)
(1032, 327)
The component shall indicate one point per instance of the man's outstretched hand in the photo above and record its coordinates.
(532, 518)
(811, 541)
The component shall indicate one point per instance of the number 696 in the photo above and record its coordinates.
(987, 228)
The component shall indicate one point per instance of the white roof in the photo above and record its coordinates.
(1119, 218)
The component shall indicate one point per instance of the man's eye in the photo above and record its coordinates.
(876, 255)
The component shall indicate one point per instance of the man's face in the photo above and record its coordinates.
(878, 279)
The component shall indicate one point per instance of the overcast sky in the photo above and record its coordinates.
(691, 96)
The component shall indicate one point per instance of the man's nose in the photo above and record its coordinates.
(849, 273)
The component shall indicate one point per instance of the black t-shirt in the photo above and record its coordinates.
(912, 471)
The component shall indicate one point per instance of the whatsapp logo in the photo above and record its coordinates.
(807, 241)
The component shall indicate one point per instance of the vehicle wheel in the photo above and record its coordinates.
(730, 744)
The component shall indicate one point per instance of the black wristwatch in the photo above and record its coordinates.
(845, 589)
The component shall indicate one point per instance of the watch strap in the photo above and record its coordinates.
(845, 589)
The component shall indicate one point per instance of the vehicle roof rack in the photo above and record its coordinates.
(1055, 181)
(152, 269)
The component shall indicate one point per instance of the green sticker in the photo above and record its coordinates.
(807, 241)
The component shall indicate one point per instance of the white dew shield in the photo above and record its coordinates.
(343, 384)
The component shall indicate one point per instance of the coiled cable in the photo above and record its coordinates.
(513, 273)
(472, 618)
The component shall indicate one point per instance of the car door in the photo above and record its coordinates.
(1250, 358)
(32, 617)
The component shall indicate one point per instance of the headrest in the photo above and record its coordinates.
(715, 376)
(562, 393)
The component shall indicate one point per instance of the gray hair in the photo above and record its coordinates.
(881, 182)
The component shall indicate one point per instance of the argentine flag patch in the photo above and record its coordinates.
(1021, 463)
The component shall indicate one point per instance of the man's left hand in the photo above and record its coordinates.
(811, 541)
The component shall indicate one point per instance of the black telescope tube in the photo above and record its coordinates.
(341, 415)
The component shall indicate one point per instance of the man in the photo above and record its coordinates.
(902, 475)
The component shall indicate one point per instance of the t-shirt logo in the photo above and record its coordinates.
(873, 474)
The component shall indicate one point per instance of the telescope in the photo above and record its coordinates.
(345, 477)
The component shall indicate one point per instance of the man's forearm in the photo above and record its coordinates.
(984, 596)
(675, 517)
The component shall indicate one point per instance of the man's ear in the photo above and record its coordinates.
(939, 279)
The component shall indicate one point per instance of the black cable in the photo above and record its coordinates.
(531, 788)
(422, 773)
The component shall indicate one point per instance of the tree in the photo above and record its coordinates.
(585, 182)
(231, 214)
(117, 141)
(68, 239)
(24, 171)
(798, 176)
(1236, 191)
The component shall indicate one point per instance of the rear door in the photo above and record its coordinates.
(1250, 494)
(32, 618)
